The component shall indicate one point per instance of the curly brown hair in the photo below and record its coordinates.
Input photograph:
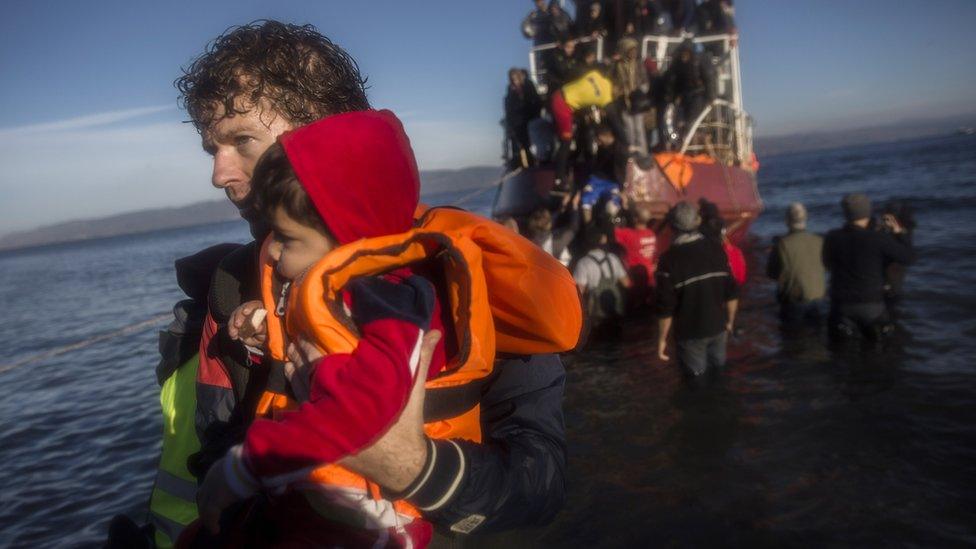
(303, 74)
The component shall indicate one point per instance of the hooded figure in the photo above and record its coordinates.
(359, 170)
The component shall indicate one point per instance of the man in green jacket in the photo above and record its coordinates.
(796, 264)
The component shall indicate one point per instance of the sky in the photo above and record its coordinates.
(90, 124)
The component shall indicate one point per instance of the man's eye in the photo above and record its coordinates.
(243, 140)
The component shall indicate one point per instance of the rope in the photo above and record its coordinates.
(162, 318)
(482, 191)
(85, 343)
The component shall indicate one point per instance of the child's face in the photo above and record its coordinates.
(296, 247)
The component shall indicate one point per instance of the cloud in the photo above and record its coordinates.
(90, 166)
(85, 122)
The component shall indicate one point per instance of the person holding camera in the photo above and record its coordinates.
(856, 257)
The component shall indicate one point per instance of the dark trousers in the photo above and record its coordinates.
(856, 320)
(798, 314)
(697, 356)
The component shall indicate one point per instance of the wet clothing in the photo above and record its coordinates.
(856, 259)
(699, 355)
(796, 263)
(693, 285)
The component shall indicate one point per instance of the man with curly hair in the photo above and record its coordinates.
(253, 83)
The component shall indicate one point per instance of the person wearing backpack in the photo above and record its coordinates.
(601, 278)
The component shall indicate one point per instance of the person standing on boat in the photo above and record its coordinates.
(522, 105)
(632, 91)
(796, 264)
(856, 257)
(251, 85)
(690, 81)
(536, 26)
(696, 295)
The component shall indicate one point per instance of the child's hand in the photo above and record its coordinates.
(248, 325)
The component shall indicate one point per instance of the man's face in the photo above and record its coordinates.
(540, 5)
(236, 143)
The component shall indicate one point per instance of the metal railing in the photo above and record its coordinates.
(725, 57)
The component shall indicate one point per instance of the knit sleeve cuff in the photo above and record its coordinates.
(439, 479)
(240, 480)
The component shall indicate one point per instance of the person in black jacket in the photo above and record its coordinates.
(515, 478)
(690, 81)
(696, 294)
(856, 257)
(896, 213)
(591, 21)
(522, 105)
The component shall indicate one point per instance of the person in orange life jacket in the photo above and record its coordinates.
(318, 189)
(240, 106)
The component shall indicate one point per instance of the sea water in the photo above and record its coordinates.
(793, 445)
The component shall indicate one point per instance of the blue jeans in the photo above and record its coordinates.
(697, 356)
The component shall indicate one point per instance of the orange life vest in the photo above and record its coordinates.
(505, 294)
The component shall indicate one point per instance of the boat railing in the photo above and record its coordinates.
(537, 61)
(713, 132)
(723, 125)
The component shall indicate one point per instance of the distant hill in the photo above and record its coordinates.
(909, 129)
(201, 213)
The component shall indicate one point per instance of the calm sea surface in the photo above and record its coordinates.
(795, 445)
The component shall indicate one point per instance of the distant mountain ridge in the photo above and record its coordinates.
(441, 181)
(897, 131)
(211, 211)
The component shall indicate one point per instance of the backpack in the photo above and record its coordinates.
(606, 301)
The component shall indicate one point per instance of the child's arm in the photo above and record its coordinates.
(354, 397)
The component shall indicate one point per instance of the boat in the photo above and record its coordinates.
(713, 158)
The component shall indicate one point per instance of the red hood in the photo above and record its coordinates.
(360, 172)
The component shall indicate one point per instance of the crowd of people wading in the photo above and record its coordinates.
(595, 100)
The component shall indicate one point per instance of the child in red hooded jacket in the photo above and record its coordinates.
(340, 179)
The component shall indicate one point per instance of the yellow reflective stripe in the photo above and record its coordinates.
(173, 504)
(175, 486)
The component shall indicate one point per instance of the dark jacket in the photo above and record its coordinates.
(715, 17)
(693, 285)
(521, 106)
(536, 26)
(586, 25)
(856, 260)
(694, 77)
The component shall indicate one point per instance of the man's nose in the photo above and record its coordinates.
(223, 170)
